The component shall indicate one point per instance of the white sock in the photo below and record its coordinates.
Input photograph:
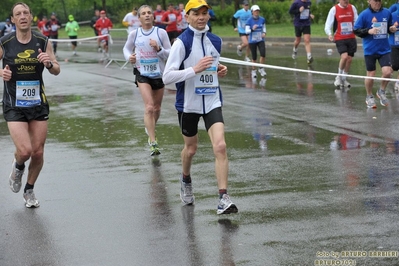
(344, 76)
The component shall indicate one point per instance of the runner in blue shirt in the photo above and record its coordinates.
(394, 7)
(239, 21)
(373, 25)
(256, 28)
(394, 42)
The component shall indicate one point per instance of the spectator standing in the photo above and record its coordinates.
(71, 29)
(373, 25)
(239, 21)
(256, 30)
(300, 9)
(54, 25)
(131, 20)
(341, 19)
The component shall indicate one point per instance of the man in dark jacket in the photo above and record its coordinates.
(93, 23)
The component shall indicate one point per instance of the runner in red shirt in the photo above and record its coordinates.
(170, 18)
(103, 26)
(42, 26)
(158, 13)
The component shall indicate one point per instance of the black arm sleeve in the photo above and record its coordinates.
(234, 22)
(361, 32)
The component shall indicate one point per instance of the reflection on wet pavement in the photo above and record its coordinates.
(311, 169)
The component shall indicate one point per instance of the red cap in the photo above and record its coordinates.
(102, 12)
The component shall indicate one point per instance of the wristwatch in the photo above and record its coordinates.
(160, 48)
(51, 65)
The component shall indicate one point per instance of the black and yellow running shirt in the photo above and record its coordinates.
(26, 87)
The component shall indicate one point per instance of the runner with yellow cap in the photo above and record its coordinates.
(193, 64)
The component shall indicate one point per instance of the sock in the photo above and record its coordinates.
(186, 178)
(309, 55)
(222, 192)
(340, 71)
(295, 49)
(20, 167)
(344, 76)
(28, 186)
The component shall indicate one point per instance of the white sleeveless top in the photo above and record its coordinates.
(147, 60)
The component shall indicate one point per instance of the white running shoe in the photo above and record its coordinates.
(338, 81)
(226, 206)
(247, 59)
(30, 199)
(383, 98)
(370, 102)
(239, 51)
(262, 72)
(253, 73)
(262, 82)
(186, 192)
(346, 84)
(15, 179)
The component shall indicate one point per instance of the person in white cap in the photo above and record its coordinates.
(193, 64)
(256, 30)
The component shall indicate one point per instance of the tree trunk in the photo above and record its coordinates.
(65, 11)
(236, 4)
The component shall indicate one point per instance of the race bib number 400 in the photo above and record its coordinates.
(28, 93)
(207, 81)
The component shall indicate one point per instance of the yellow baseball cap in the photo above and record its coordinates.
(196, 4)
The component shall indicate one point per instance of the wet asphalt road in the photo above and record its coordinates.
(313, 173)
